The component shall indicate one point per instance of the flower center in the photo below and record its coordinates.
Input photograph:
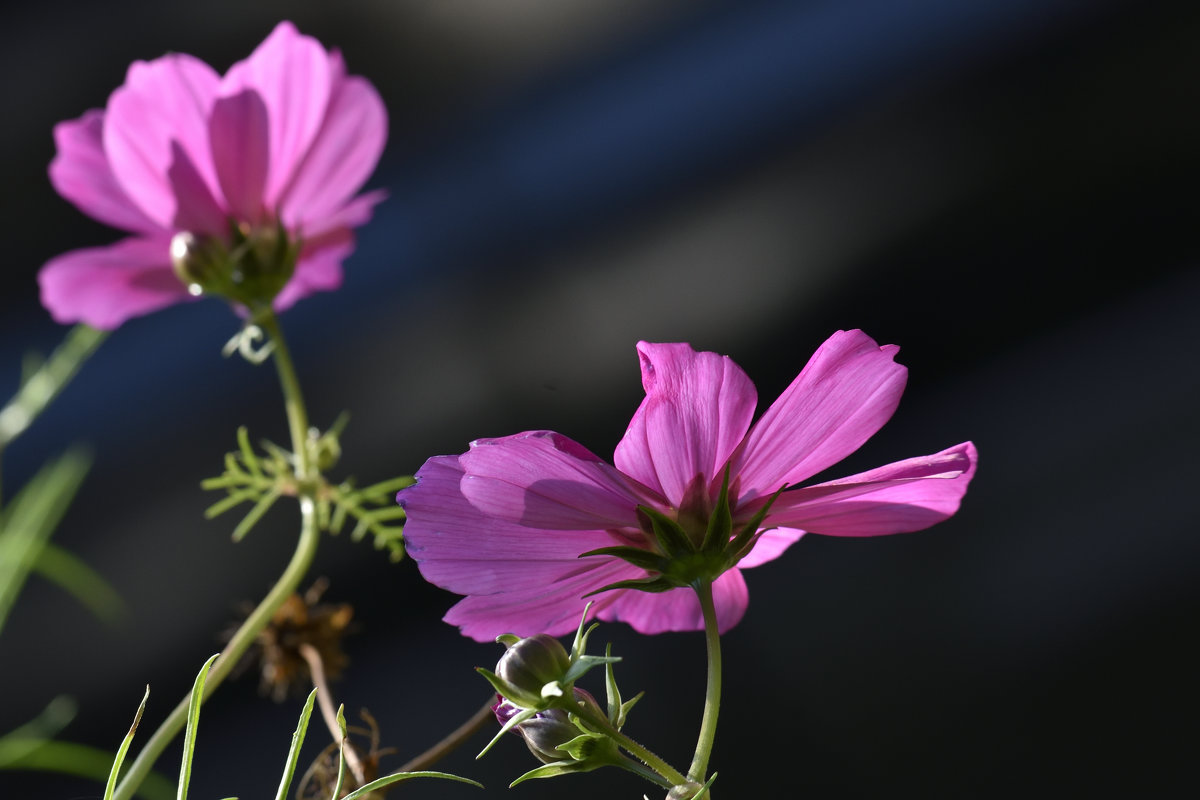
(250, 266)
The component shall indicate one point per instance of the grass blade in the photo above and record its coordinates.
(111, 786)
(289, 769)
(189, 734)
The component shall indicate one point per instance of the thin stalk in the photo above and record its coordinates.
(296, 569)
(453, 740)
(712, 695)
(630, 746)
(325, 700)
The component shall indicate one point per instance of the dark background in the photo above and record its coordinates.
(1007, 189)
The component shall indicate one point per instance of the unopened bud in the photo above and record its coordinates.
(531, 670)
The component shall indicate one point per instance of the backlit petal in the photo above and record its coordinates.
(697, 409)
(341, 158)
(679, 609)
(80, 172)
(544, 480)
(846, 392)
(291, 73)
(239, 131)
(157, 118)
(104, 286)
(898, 498)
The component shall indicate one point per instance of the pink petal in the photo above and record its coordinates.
(770, 546)
(157, 119)
(898, 498)
(679, 609)
(317, 270)
(197, 208)
(337, 226)
(238, 130)
(846, 392)
(104, 286)
(522, 581)
(554, 607)
(543, 479)
(80, 172)
(342, 156)
(697, 409)
(291, 73)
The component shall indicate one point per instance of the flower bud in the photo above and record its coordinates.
(250, 268)
(545, 731)
(531, 670)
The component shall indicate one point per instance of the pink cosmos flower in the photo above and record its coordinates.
(266, 158)
(506, 522)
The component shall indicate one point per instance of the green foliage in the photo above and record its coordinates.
(193, 723)
(27, 523)
(113, 774)
(261, 478)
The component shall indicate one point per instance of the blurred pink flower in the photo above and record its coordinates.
(506, 522)
(279, 144)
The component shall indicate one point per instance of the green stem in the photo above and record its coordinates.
(302, 558)
(712, 695)
(38, 389)
(629, 745)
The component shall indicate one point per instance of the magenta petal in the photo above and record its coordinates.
(238, 130)
(341, 157)
(80, 172)
(679, 609)
(697, 409)
(898, 498)
(522, 581)
(160, 111)
(543, 479)
(104, 286)
(291, 73)
(846, 392)
(770, 546)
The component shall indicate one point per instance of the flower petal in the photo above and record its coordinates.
(544, 480)
(520, 580)
(342, 156)
(156, 119)
(898, 498)
(697, 409)
(80, 172)
(846, 392)
(104, 286)
(239, 132)
(291, 74)
(770, 546)
(679, 609)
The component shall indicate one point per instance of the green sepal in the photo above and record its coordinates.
(626, 706)
(671, 537)
(499, 685)
(582, 746)
(653, 584)
(611, 692)
(720, 522)
(508, 726)
(507, 639)
(584, 663)
(637, 556)
(744, 539)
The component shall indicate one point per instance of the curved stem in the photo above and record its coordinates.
(296, 569)
(629, 745)
(453, 740)
(316, 668)
(712, 695)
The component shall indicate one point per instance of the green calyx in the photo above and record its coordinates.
(250, 267)
(687, 555)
